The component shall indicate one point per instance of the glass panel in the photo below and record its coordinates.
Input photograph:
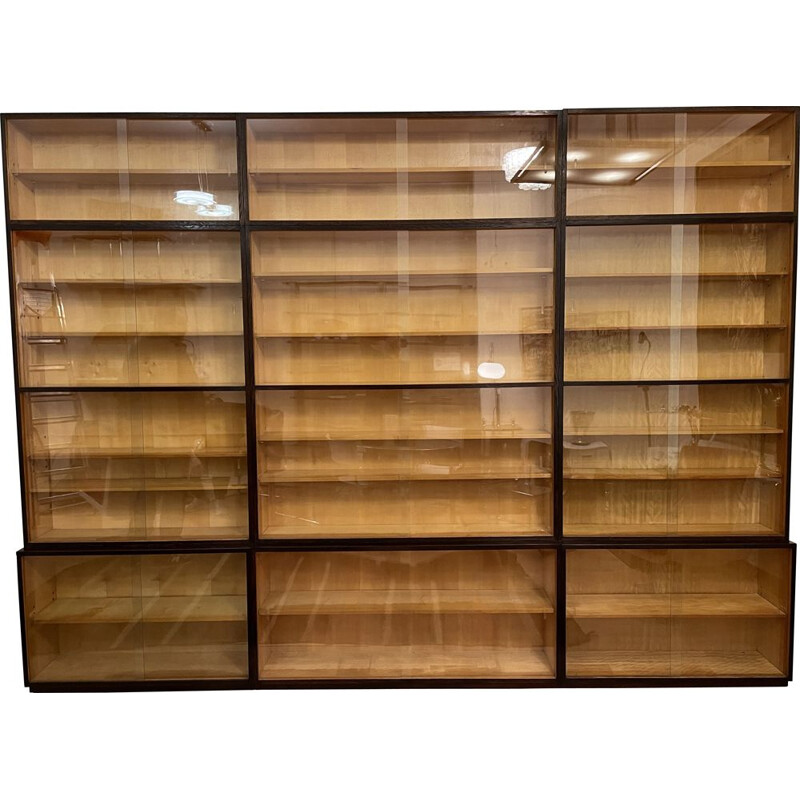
(135, 618)
(431, 614)
(159, 308)
(403, 306)
(405, 462)
(687, 460)
(118, 169)
(398, 168)
(660, 302)
(116, 466)
(687, 163)
(678, 613)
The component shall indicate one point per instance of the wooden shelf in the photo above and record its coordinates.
(401, 274)
(368, 475)
(370, 435)
(152, 663)
(140, 534)
(678, 430)
(400, 334)
(128, 283)
(604, 663)
(395, 661)
(402, 601)
(410, 530)
(663, 474)
(210, 484)
(73, 451)
(692, 327)
(669, 275)
(667, 529)
(91, 610)
(722, 169)
(625, 606)
(91, 176)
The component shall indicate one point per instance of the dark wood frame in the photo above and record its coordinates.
(558, 223)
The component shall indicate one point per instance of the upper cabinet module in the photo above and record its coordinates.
(110, 308)
(389, 168)
(122, 169)
(678, 302)
(685, 163)
(446, 306)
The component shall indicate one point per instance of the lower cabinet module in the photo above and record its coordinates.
(384, 614)
(673, 612)
(135, 618)
(424, 399)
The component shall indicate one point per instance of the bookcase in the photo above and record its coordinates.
(391, 400)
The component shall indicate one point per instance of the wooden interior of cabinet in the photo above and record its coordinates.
(685, 613)
(407, 614)
(135, 618)
(405, 462)
(111, 466)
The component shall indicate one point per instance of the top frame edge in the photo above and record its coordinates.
(390, 114)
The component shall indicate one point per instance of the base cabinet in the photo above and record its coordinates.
(135, 618)
(679, 613)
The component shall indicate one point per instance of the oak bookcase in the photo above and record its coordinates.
(463, 399)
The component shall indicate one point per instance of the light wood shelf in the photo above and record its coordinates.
(161, 662)
(670, 474)
(400, 274)
(615, 663)
(139, 484)
(626, 606)
(435, 432)
(92, 610)
(137, 533)
(732, 275)
(369, 474)
(604, 529)
(401, 661)
(93, 176)
(377, 530)
(677, 430)
(525, 600)
(92, 451)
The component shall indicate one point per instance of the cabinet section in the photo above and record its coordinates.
(121, 169)
(404, 462)
(675, 460)
(678, 302)
(114, 466)
(338, 168)
(135, 617)
(460, 306)
(104, 309)
(398, 614)
(678, 612)
(685, 163)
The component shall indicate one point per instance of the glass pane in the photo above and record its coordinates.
(119, 169)
(431, 614)
(405, 462)
(687, 163)
(134, 618)
(398, 168)
(660, 302)
(687, 460)
(109, 466)
(678, 613)
(403, 306)
(101, 309)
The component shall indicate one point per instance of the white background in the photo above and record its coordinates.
(385, 56)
